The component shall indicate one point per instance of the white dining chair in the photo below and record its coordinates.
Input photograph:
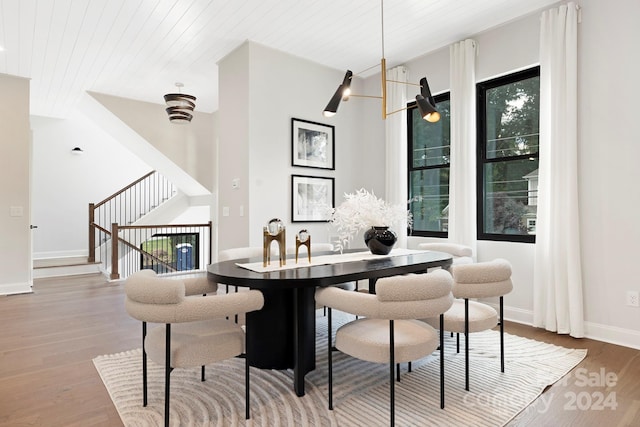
(479, 280)
(194, 331)
(389, 333)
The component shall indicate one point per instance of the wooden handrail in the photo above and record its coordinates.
(104, 230)
(117, 193)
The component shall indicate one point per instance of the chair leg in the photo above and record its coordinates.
(501, 335)
(392, 397)
(167, 373)
(202, 373)
(330, 358)
(247, 390)
(409, 367)
(466, 344)
(398, 372)
(458, 342)
(441, 361)
(144, 365)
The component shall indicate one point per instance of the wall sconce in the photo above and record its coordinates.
(77, 151)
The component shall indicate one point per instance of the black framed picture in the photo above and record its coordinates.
(312, 144)
(312, 198)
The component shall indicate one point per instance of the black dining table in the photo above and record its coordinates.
(282, 334)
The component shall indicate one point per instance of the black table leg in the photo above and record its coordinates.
(304, 336)
(282, 334)
(372, 285)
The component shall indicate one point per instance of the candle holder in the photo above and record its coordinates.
(274, 231)
(303, 239)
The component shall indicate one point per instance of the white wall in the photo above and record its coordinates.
(609, 149)
(232, 159)
(608, 153)
(255, 145)
(15, 206)
(64, 183)
(189, 146)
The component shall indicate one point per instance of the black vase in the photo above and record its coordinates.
(380, 240)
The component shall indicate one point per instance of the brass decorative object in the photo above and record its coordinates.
(303, 239)
(274, 231)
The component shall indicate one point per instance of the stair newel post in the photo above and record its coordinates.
(210, 242)
(114, 252)
(92, 234)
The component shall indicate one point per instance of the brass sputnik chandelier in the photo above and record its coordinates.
(424, 100)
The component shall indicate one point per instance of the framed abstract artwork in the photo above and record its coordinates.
(312, 144)
(312, 198)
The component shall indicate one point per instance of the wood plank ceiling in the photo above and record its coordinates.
(139, 48)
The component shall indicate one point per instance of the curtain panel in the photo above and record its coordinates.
(396, 146)
(558, 300)
(462, 174)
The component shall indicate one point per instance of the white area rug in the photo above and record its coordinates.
(361, 389)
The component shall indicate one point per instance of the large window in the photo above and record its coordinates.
(508, 134)
(429, 157)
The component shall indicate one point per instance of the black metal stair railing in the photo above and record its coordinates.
(163, 248)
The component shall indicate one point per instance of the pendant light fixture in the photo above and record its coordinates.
(180, 106)
(426, 103)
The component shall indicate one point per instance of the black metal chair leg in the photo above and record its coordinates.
(501, 336)
(409, 367)
(398, 372)
(392, 397)
(441, 361)
(466, 344)
(202, 373)
(458, 342)
(144, 365)
(167, 373)
(247, 397)
(330, 358)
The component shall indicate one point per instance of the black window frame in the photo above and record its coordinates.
(481, 159)
(446, 96)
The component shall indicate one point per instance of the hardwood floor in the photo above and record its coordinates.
(50, 337)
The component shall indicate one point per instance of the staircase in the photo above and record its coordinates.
(121, 242)
(66, 266)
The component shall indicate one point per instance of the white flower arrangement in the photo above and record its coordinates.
(362, 210)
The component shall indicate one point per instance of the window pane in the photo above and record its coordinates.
(430, 145)
(429, 192)
(510, 198)
(429, 157)
(512, 119)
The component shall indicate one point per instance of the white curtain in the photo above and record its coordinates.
(396, 146)
(462, 175)
(558, 304)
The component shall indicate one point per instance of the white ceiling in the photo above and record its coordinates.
(139, 48)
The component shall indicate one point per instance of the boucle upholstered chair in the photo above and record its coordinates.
(462, 254)
(479, 280)
(389, 333)
(195, 332)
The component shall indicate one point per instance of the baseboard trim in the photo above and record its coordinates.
(612, 335)
(15, 288)
(595, 331)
